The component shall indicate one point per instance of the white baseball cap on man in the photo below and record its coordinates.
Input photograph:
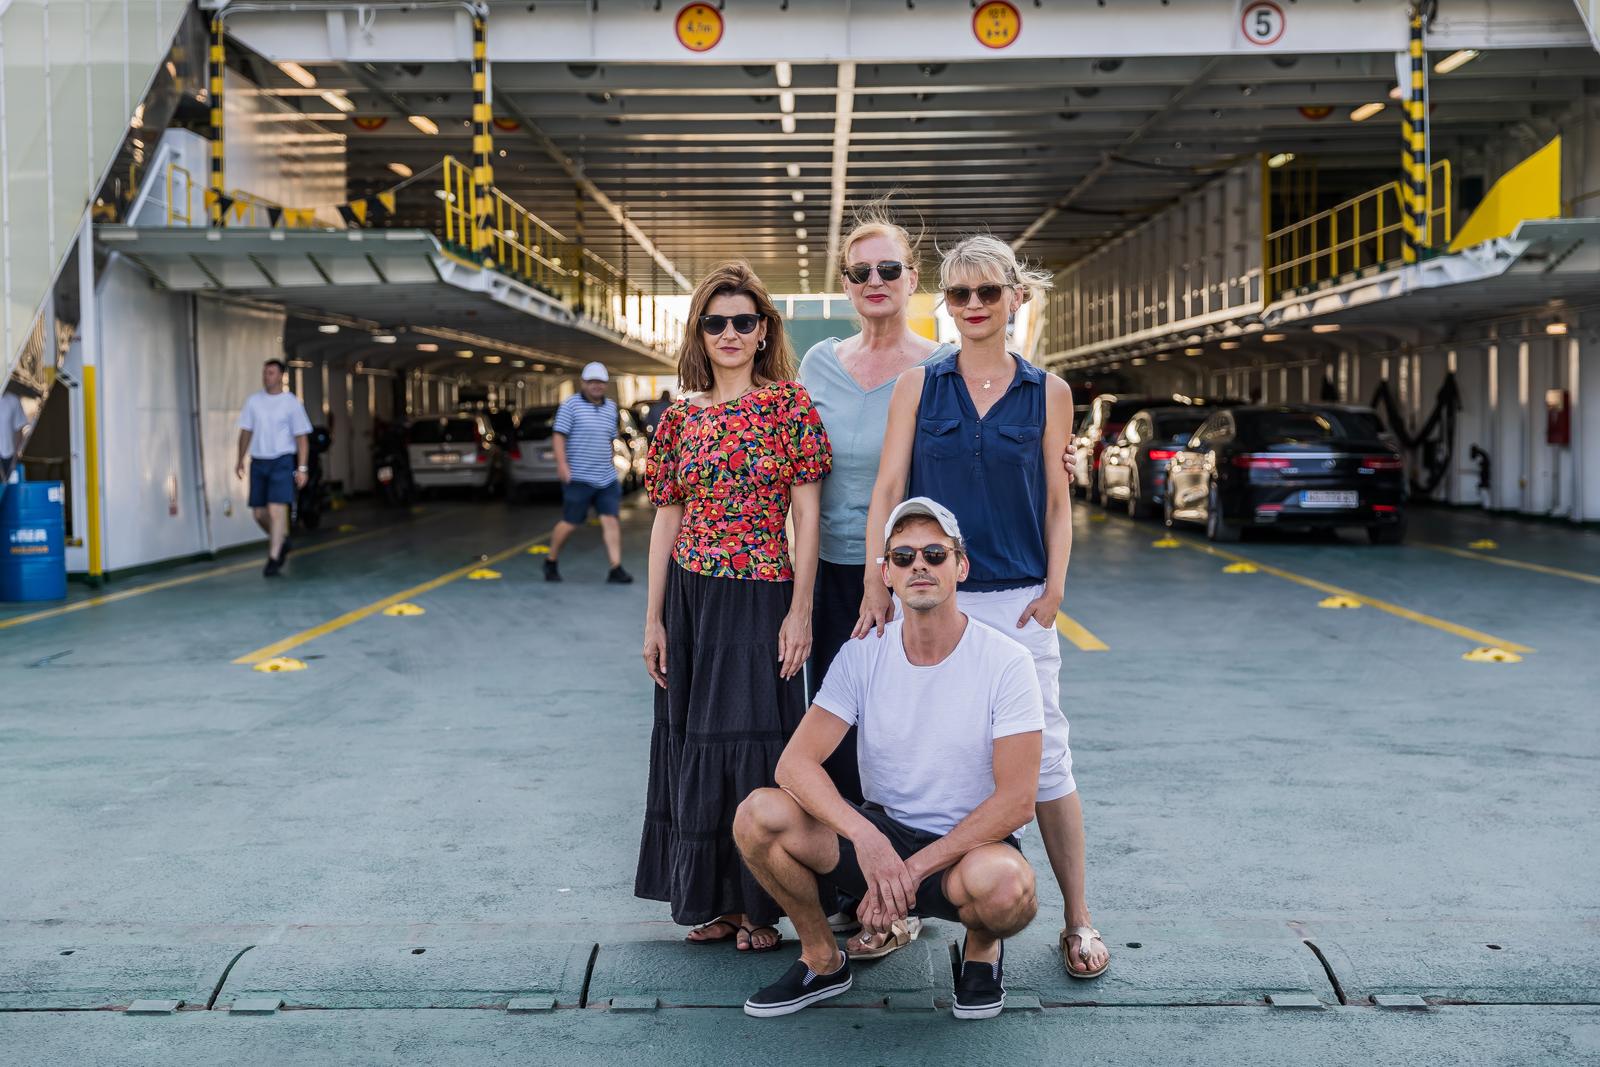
(596, 372)
(927, 508)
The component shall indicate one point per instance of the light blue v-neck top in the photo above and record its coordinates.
(855, 420)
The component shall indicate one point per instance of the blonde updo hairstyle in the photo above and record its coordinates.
(987, 257)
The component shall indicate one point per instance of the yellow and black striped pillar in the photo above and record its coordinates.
(214, 73)
(1414, 157)
(482, 144)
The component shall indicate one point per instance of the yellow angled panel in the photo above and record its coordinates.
(1530, 190)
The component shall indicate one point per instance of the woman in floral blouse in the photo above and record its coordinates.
(728, 623)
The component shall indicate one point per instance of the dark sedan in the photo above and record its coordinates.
(1104, 419)
(1299, 466)
(1134, 468)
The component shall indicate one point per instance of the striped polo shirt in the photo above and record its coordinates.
(589, 430)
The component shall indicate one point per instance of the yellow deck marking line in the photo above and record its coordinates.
(1577, 576)
(1477, 637)
(1074, 631)
(188, 579)
(278, 648)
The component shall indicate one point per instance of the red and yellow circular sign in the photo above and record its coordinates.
(699, 27)
(1315, 112)
(997, 24)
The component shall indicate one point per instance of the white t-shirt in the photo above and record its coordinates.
(925, 735)
(274, 421)
(12, 419)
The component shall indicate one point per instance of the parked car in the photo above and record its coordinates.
(1134, 468)
(535, 468)
(1295, 465)
(1105, 418)
(460, 451)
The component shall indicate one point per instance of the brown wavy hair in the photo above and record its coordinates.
(774, 363)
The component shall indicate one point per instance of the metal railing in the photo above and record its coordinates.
(1366, 231)
(174, 171)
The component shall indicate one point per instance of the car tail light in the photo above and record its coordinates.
(1384, 507)
(1161, 454)
(1269, 507)
(482, 457)
(1251, 462)
(1381, 463)
(516, 452)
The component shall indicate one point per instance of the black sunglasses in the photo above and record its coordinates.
(934, 554)
(716, 324)
(888, 270)
(959, 295)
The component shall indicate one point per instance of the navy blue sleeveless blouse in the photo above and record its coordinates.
(988, 471)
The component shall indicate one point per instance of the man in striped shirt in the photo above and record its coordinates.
(585, 426)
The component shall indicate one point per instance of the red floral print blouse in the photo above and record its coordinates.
(731, 466)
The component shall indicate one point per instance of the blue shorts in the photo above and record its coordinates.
(272, 481)
(577, 497)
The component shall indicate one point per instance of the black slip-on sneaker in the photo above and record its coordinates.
(618, 576)
(552, 571)
(981, 989)
(800, 987)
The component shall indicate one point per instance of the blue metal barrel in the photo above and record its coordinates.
(33, 559)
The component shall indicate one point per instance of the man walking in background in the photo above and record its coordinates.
(13, 428)
(585, 426)
(274, 433)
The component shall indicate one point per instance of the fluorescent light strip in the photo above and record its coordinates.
(1456, 60)
(1366, 111)
(300, 74)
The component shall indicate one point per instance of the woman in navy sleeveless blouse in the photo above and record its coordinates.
(980, 432)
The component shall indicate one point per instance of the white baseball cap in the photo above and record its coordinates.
(923, 506)
(596, 372)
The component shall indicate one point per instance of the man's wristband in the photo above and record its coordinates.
(302, 470)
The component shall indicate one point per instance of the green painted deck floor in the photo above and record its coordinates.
(423, 843)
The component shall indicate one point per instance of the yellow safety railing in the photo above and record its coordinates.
(174, 171)
(1364, 231)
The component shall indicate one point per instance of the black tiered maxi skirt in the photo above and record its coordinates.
(720, 726)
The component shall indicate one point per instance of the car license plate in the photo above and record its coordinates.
(1329, 498)
(444, 457)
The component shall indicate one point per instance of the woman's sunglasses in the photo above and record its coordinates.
(888, 270)
(905, 557)
(716, 324)
(960, 295)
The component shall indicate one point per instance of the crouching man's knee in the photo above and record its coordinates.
(762, 817)
(999, 886)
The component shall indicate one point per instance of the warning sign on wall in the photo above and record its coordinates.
(997, 24)
(1262, 22)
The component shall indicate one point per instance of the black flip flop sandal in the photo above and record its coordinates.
(733, 933)
(750, 944)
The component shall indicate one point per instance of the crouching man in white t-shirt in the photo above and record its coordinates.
(949, 725)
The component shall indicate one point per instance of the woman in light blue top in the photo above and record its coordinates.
(850, 382)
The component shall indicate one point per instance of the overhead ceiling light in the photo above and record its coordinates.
(788, 124)
(799, 216)
(786, 102)
(804, 273)
(794, 170)
(427, 346)
(327, 327)
(384, 338)
(300, 74)
(803, 262)
(423, 123)
(401, 169)
(1366, 111)
(1280, 159)
(519, 363)
(464, 353)
(1556, 328)
(1326, 327)
(785, 74)
(800, 234)
(446, 196)
(1456, 60)
(797, 196)
(1193, 351)
(1230, 345)
(491, 359)
(801, 250)
(1272, 337)
(339, 100)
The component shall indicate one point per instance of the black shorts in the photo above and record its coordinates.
(906, 841)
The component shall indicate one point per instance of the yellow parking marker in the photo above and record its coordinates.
(1477, 637)
(483, 574)
(173, 583)
(1484, 544)
(1340, 601)
(280, 665)
(348, 527)
(1538, 568)
(278, 648)
(1074, 631)
(539, 550)
(1241, 568)
(1167, 542)
(404, 610)
(1491, 655)
(1097, 516)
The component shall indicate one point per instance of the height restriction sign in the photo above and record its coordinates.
(1261, 22)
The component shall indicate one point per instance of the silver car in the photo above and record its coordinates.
(533, 465)
(460, 451)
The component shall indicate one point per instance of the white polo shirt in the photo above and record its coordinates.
(274, 421)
